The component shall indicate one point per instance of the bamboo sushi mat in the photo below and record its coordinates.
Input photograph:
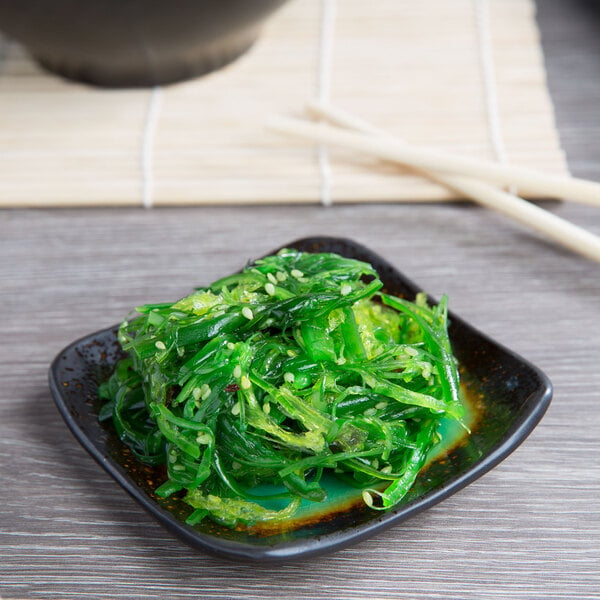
(465, 76)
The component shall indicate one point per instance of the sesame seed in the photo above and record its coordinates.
(196, 393)
(160, 345)
(380, 405)
(281, 276)
(247, 312)
(237, 372)
(231, 345)
(245, 383)
(288, 377)
(235, 409)
(203, 438)
(266, 408)
(345, 290)
(296, 273)
(368, 498)
(270, 289)
(272, 278)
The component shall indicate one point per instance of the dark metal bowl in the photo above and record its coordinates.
(132, 43)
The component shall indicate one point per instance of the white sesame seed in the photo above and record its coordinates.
(247, 312)
(270, 289)
(205, 389)
(266, 408)
(196, 393)
(368, 498)
(272, 278)
(296, 273)
(235, 409)
(245, 383)
(203, 438)
(380, 405)
(237, 372)
(345, 289)
(160, 345)
(231, 345)
(288, 377)
(281, 276)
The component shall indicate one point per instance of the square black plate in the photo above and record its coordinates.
(507, 395)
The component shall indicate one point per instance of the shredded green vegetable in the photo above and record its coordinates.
(266, 380)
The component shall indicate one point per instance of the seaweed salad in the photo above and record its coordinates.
(254, 388)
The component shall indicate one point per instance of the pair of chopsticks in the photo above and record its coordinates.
(475, 179)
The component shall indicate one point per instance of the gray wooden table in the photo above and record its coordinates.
(528, 529)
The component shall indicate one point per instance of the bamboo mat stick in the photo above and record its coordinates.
(527, 180)
(567, 234)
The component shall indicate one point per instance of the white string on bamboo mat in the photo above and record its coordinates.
(484, 42)
(148, 135)
(488, 73)
(324, 68)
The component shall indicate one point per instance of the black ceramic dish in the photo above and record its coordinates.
(507, 395)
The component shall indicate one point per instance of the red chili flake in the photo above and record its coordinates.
(232, 387)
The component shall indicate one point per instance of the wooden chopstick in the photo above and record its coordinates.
(565, 233)
(527, 180)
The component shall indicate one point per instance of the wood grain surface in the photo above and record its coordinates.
(529, 529)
